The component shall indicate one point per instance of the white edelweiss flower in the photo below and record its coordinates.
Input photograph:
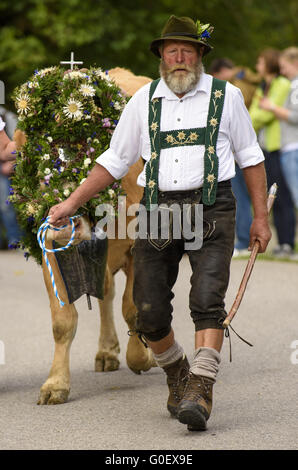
(87, 162)
(73, 109)
(218, 93)
(82, 181)
(47, 171)
(96, 141)
(66, 192)
(111, 193)
(46, 156)
(87, 90)
(50, 139)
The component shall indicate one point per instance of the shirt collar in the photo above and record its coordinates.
(163, 91)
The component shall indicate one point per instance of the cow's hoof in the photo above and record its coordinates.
(138, 357)
(50, 396)
(105, 362)
(135, 371)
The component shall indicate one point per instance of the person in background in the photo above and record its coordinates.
(276, 88)
(288, 117)
(8, 221)
(247, 81)
(241, 77)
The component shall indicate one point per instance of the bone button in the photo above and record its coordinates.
(178, 119)
(175, 181)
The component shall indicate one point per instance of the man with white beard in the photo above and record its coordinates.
(188, 127)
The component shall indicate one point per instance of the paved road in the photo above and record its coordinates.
(255, 396)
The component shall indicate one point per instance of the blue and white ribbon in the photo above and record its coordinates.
(41, 235)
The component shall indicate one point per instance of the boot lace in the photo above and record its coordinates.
(195, 389)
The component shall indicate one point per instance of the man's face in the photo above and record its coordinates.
(288, 69)
(261, 66)
(181, 65)
(225, 73)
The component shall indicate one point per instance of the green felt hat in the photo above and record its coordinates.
(184, 29)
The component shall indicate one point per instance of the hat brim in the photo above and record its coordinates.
(155, 45)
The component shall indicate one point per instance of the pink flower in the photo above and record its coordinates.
(106, 122)
(48, 177)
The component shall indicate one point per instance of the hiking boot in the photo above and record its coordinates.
(195, 406)
(177, 374)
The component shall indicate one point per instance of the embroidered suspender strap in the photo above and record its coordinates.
(181, 137)
(152, 166)
(210, 158)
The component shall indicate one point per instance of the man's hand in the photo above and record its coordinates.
(255, 178)
(96, 181)
(260, 231)
(59, 214)
(266, 104)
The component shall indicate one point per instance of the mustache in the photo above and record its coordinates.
(180, 67)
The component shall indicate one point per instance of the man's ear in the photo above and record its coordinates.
(201, 51)
(160, 50)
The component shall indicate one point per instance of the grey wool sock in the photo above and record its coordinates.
(170, 356)
(206, 363)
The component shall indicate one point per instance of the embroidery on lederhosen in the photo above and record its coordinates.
(152, 167)
(210, 157)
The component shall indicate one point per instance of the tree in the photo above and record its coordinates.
(37, 34)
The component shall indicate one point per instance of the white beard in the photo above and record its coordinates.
(181, 82)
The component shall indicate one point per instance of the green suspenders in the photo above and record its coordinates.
(197, 136)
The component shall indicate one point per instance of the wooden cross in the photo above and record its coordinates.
(72, 62)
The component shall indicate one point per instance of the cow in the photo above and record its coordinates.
(139, 358)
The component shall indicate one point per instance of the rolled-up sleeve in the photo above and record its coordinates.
(2, 124)
(125, 144)
(243, 137)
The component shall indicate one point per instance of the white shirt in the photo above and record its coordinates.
(2, 124)
(182, 168)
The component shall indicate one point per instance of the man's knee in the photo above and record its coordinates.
(152, 324)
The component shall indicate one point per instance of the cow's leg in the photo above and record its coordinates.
(107, 356)
(64, 320)
(138, 357)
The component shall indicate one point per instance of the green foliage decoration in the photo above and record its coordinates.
(68, 118)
